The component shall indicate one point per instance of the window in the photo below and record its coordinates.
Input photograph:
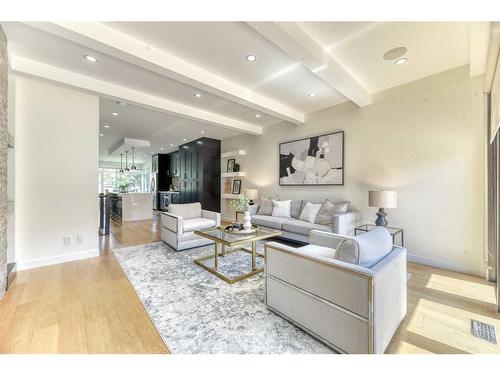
(110, 179)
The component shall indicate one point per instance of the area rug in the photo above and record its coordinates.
(196, 312)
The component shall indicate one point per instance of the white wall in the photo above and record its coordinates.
(424, 139)
(56, 173)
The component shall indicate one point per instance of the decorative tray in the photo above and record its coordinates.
(235, 230)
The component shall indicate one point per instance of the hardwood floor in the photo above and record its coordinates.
(89, 306)
(86, 306)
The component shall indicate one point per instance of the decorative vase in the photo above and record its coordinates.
(247, 223)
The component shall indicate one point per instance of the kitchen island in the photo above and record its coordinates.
(131, 206)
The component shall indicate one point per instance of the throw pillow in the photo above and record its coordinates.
(281, 208)
(296, 208)
(310, 211)
(328, 209)
(265, 206)
(340, 208)
(366, 249)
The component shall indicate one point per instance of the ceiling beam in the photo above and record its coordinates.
(24, 66)
(107, 40)
(297, 43)
(479, 39)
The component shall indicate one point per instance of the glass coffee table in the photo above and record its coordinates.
(222, 239)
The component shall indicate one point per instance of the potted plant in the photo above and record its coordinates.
(242, 205)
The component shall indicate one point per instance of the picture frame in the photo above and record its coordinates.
(230, 165)
(312, 161)
(236, 187)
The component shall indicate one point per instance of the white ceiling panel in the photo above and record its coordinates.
(221, 47)
(433, 47)
(159, 128)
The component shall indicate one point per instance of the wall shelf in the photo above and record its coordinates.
(233, 153)
(233, 174)
(232, 196)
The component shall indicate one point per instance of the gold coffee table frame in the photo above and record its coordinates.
(233, 241)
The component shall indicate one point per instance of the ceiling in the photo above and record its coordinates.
(301, 67)
(161, 129)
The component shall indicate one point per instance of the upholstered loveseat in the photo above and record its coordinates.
(295, 229)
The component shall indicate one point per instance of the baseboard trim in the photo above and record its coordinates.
(440, 263)
(48, 261)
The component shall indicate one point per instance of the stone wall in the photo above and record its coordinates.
(3, 162)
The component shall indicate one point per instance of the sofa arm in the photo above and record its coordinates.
(345, 223)
(389, 306)
(326, 239)
(212, 215)
(172, 222)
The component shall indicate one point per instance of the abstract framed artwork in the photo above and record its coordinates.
(312, 161)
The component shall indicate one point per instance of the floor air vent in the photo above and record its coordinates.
(483, 331)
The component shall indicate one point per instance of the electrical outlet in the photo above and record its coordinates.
(79, 238)
(67, 240)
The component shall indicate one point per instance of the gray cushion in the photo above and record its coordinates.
(323, 251)
(296, 208)
(265, 206)
(366, 249)
(304, 227)
(186, 211)
(328, 209)
(269, 221)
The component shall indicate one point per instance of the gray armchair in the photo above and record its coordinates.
(180, 222)
(351, 308)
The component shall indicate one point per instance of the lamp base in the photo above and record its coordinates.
(381, 221)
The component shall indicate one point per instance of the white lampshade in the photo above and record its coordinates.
(252, 194)
(382, 199)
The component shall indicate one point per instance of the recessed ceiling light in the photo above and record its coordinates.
(161, 148)
(251, 58)
(197, 94)
(171, 145)
(257, 115)
(89, 58)
(311, 95)
(152, 152)
(202, 132)
(395, 53)
(101, 135)
(107, 126)
(115, 113)
(184, 139)
(400, 61)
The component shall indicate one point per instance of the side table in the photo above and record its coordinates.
(393, 231)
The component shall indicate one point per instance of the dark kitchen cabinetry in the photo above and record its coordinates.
(164, 178)
(173, 169)
(199, 173)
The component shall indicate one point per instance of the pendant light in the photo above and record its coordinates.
(133, 167)
(126, 161)
(121, 163)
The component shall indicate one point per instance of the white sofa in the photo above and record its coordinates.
(298, 230)
(180, 222)
(351, 308)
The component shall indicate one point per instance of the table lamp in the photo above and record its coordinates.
(382, 200)
(251, 194)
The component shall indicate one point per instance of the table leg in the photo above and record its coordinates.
(254, 253)
(216, 259)
(223, 250)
